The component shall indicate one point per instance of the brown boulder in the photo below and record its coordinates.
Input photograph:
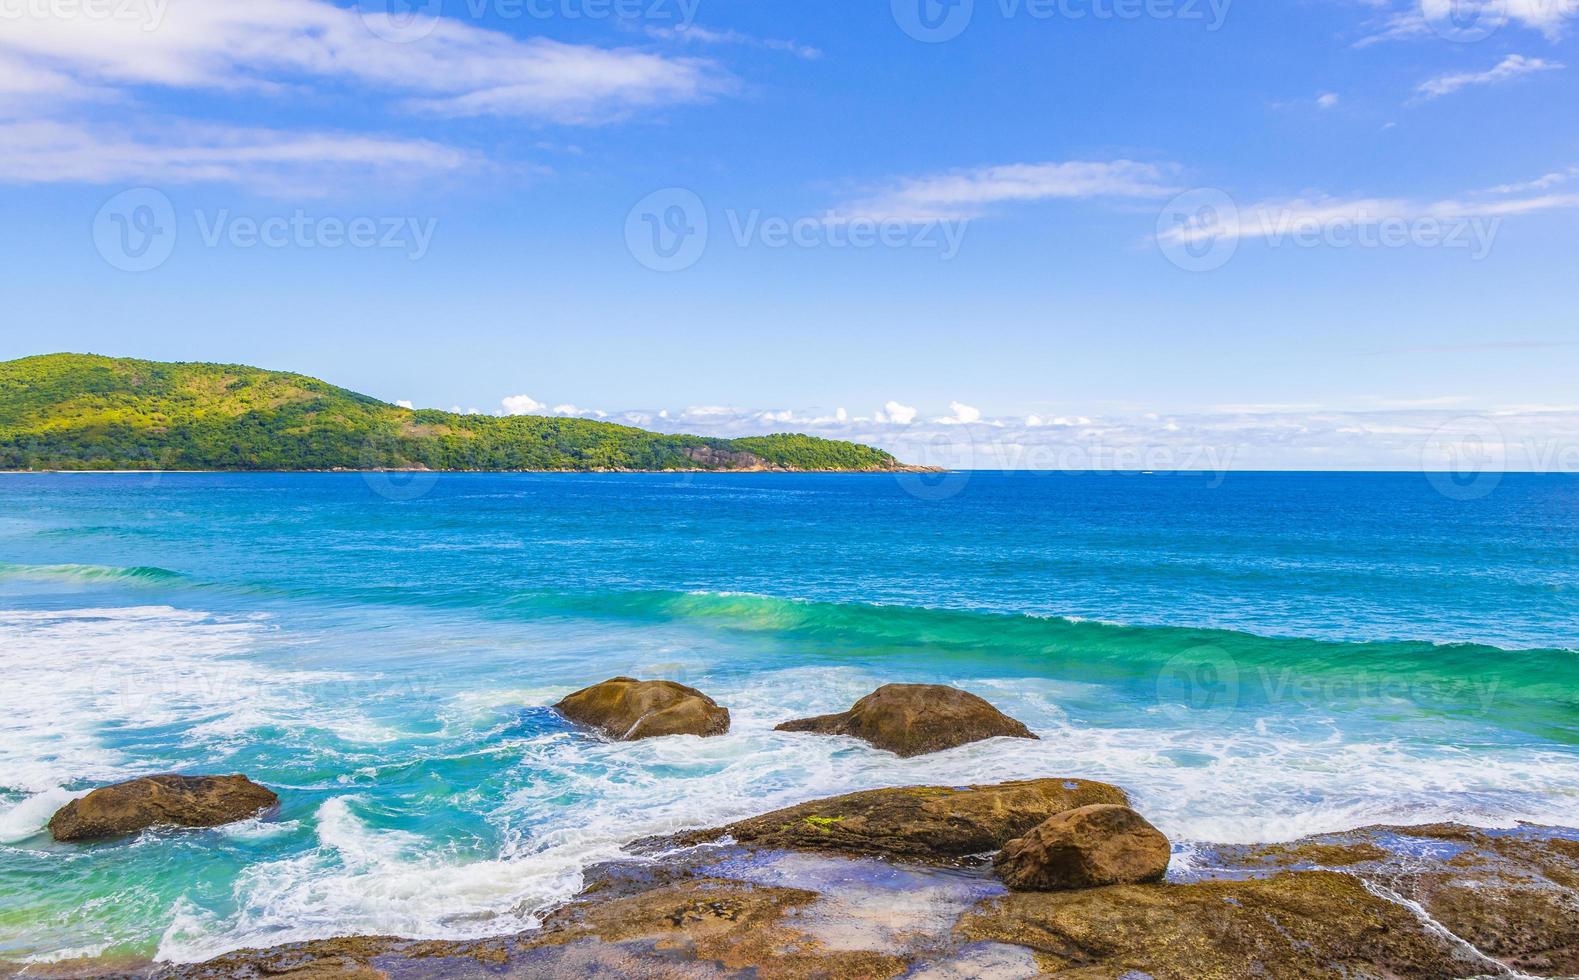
(160, 801)
(1306, 925)
(926, 823)
(916, 719)
(1091, 847)
(626, 710)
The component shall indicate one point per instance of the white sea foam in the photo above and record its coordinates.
(30, 816)
(577, 799)
(560, 802)
(79, 681)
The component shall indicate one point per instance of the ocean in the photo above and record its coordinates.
(1255, 657)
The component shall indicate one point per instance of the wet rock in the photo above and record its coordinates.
(700, 928)
(924, 823)
(626, 710)
(160, 801)
(916, 719)
(739, 911)
(1513, 897)
(1295, 925)
(1085, 848)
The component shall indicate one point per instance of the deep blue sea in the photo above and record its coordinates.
(1254, 657)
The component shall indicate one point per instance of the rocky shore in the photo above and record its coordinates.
(1052, 877)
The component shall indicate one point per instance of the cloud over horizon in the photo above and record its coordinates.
(1411, 435)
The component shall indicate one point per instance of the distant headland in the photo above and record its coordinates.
(86, 412)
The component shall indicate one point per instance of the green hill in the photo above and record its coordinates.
(81, 412)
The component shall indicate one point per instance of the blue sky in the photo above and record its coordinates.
(1316, 233)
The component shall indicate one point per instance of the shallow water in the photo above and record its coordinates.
(1298, 654)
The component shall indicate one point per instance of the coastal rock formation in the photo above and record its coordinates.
(626, 710)
(923, 823)
(1296, 925)
(704, 927)
(1284, 911)
(1085, 848)
(1512, 895)
(160, 801)
(916, 719)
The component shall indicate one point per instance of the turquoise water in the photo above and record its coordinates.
(1254, 659)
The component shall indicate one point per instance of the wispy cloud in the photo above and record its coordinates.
(692, 34)
(452, 68)
(43, 151)
(1403, 20)
(55, 68)
(1276, 219)
(1513, 67)
(967, 194)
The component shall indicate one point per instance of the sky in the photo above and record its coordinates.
(1052, 234)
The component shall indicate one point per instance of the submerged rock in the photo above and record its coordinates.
(626, 710)
(916, 719)
(1309, 924)
(160, 801)
(923, 823)
(1085, 848)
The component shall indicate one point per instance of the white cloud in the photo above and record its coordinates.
(279, 45)
(1513, 67)
(701, 35)
(523, 405)
(45, 151)
(1375, 434)
(897, 414)
(55, 64)
(963, 415)
(970, 193)
(1292, 218)
(571, 411)
(1543, 183)
(405, 404)
(1327, 100)
(1403, 20)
